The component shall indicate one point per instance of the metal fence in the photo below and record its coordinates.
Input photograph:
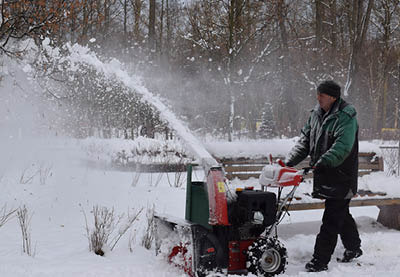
(391, 158)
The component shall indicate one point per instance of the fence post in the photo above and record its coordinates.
(398, 158)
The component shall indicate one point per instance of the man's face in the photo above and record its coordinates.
(325, 101)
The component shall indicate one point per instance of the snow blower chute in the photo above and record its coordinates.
(224, 234)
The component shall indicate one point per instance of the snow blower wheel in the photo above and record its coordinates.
(266, 257)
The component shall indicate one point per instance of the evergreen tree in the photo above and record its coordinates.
(267, 127)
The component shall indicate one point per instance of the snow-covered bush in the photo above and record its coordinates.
(178, 179)
(6, 214)
(149, 233)
(45, 172)
(27, 174)
(108, 228)
(141, 150)
(24, 218)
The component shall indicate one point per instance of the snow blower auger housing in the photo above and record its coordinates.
(228, 236)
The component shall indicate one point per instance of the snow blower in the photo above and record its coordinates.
(229, 232)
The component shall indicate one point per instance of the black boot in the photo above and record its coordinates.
(350, 255)
(316, 265)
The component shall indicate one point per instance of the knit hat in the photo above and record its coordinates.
(329, 87)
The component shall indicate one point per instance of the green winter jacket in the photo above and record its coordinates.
(331, 140)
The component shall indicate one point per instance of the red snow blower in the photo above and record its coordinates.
(229, 232)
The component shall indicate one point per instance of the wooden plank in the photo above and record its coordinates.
(257, 170)
(388, 146)
(246, 176)
(354, 203)
(374, 202)
(242, 176)
(244, 161)
(367, 154)
(368, 160)
(244, 168)
(363, 157)
(369, 166)
(306, 206)
(381, 163)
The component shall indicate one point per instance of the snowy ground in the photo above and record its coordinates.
(58, 225)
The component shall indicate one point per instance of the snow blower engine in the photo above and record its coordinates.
(229, 232)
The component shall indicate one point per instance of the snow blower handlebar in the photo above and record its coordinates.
(279, 175)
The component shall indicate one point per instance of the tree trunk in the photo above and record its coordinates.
(125, 17)
(168, 41)
(334, 46)
(287, 110)
(230, 68)
(137, 9)
(106, 18)
(73, 24)
(359, 24)
(231, 115)
(152, 21)
(386, 61)
(383, 15)
(397, 114)
(85, 22)
(161, 28)
(319, 19)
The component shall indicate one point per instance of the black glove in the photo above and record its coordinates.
(289, 164)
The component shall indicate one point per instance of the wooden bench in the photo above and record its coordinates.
(389, 215)
(245, 168)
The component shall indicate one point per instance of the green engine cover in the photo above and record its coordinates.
(197, 210)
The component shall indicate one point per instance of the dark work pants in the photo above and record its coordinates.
(337, 220)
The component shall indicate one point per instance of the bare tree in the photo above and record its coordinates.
(225, 34)
(152, 24)
(20, 19)
(240, 54)
(359, 13)
(137, 11)
(385, 21)
(319, 19)
(287, 88)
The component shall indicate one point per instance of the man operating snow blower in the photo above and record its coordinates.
(330, 137)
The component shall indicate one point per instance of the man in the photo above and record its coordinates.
(330, 137)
